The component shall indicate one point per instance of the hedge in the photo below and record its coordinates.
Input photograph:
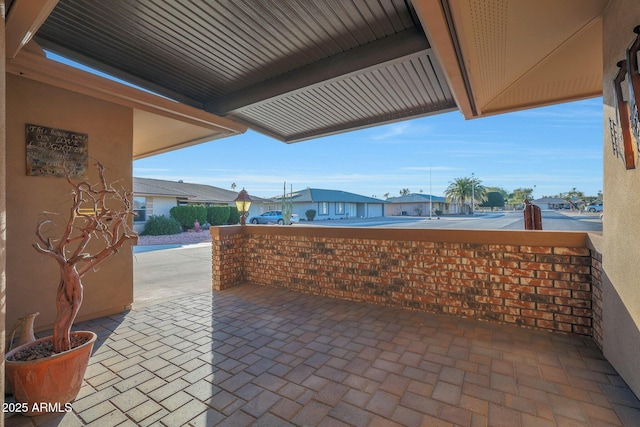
(187, 215)
(160, 225)
(218, 215)
(234, 217)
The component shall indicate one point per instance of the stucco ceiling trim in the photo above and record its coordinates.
(442, 39)
(197, 126)
(23, 20)
(528, 54)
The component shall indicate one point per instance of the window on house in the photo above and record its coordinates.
(140, 208)
(323, 208)
(340, 208)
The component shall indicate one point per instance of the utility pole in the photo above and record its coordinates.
(430, 194)
(473, 193)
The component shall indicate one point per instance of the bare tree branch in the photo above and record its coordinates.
(89, 216)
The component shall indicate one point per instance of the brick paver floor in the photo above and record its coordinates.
(252, 355)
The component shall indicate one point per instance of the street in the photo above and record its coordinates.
(505, 220)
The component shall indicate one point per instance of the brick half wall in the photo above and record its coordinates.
(530, 278)
(597, 274)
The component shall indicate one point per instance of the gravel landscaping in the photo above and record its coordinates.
(175, 239)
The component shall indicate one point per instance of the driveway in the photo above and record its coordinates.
(169, 274)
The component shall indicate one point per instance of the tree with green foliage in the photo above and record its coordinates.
(519, 195)
(405, 192)
(505, 194)
(463, 189)
(495, 199)
(459, 190)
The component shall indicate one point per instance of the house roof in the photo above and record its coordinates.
(319, 195)
(553, 200)
(416, 198)
(195, 193)
(298, 69)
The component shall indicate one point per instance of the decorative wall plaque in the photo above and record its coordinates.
(50, 151)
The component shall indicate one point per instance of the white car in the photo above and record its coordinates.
(273, 217)
(594, 208)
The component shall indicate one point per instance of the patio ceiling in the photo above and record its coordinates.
(300, 69)
(506, 55)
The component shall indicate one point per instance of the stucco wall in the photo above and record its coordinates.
(621, 244)
(351, 210)
(32, 278)
(412, 209)
(3, 211)
(162, 205)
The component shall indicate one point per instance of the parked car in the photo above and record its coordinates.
(272, 217)
(594, 208)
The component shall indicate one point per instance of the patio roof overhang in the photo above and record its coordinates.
(296, 69)
(506, 55)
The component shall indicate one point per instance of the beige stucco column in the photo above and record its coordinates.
(621, 235)
(3, 211)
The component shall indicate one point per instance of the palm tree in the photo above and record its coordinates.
(461, 190)
(479, 190)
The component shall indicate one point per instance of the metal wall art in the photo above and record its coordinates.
(625, 130)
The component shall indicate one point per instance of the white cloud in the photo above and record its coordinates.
(392, 131)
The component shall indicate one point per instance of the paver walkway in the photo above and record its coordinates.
(252, 355)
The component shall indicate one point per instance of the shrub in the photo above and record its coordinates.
(160, 225)
(187, 215)
(234, 216)
(218, 215)
(311, 214)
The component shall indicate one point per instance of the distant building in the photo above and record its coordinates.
(553, 203)
(418, 204)
(157, 197)
(331, 204)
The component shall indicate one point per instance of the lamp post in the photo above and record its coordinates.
(243, 203)
(473, 193)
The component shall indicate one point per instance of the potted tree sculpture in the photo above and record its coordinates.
(41, 373)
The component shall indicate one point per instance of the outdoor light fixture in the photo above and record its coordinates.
(243, 203)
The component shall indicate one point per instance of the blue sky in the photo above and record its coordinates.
(553, 148)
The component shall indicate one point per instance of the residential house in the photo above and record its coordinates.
(158, 196)
(417, 204)
(553, 203)
(332, 204)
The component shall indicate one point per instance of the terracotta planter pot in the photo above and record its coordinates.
(47, 384)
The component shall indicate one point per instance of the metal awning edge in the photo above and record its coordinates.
(39, 68)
